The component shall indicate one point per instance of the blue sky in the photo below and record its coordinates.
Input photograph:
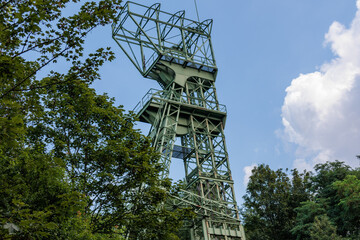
(261, 48)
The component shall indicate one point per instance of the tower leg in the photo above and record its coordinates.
(166, 134)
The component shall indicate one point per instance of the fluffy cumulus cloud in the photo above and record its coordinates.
(321, 110)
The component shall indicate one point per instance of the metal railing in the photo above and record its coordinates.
(155, 95)
(221, 209)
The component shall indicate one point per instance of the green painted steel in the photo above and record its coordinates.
(187, 120)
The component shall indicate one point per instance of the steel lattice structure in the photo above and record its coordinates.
(178, 54)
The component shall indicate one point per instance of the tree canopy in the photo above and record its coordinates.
(72, 166)
(270, 202)
(283, 206)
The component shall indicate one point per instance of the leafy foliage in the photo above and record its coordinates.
(348, 191)
(270, 202)
(37, 28)
(320, 205)
(71, 164)
(305, 217)
(327, 194)
(323, 229)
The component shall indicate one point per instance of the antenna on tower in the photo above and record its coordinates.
(197, 12)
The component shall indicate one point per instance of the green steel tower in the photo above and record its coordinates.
(187, 121)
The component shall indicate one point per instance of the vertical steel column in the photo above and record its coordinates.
(164, 139)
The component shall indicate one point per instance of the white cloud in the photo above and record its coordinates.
(321, 110)
(247, 171)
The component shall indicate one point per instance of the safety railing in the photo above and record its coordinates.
(155, 95)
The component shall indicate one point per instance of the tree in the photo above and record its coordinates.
(35, 196)
(334, 193)
(277, 207)
(323, 229)
(326, 194)
(34, 192)
(270, 201)
(71, 164)
(305, 216)
(38, 29)
(33, 36)
(107, 160)
(348, 191)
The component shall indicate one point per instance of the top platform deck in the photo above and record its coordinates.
(148, 35)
